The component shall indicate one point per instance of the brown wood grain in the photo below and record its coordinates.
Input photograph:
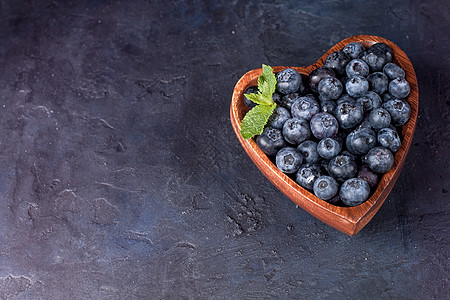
(349, 220)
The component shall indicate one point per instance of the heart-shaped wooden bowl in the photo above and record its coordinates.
(349, 220)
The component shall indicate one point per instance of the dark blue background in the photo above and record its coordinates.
(121, 177)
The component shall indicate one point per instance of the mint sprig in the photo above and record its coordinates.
(254, 121)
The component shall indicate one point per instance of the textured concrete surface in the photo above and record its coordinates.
(121, 178)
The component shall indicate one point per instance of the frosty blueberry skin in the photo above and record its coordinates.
(288, 160)
(369, 101)
(305, 107)
(279, 116)
(368, 175)
(379, 118)
(345, 98)
(328, 106)
(376, 58)
(328, 148)
(286, 101)
(361, 140)
(399, 110)
(288, 81)
(342, 167)
(393, 71)
(383, 49)
(325, 187)
(354, 50)
(386, 97)
(324, 125)
(296, 130)
(337, 61)
(357, 67)
(357, 86)
(307, 175)
(389, 138)
(399, 88)
(378, 82)
(330, 87)
(309, 151)
(270, 141)
(379, 159)
(354, 191)
(317, 75)
(349, 115)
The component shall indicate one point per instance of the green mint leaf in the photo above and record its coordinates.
(266, 98)
(256, 98)
(267, 82)
(255, 120)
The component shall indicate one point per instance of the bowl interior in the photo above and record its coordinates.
(349, 220)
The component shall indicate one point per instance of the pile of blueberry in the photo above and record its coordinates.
(336, 131)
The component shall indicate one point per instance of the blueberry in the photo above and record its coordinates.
(305, 107)
(342, 167)
(369, 101)
(389, 138)
(357, 67)
(308, 149)
(250, 90)
(383, 49)
(354, 191)
(288, 81)
(288, 160)
(328, 106)
(354, 50)
(349, 114)
(270, 141)
(386, 97)
(296, 130)
(393, 71)
(378, 82)
(279, 116)
(307, 175)
(276, 97)
(379, 159)
(399, 110)
(357, 86)
(345, 98)
(379, 118)
(399, 88)
(336, 200)
(368, 175)
(324, 125)
(361, 140)
(330, 87)
(337, 61)
(325, 187)
(317, 75)
(340, 137)
(375, 60)
(349, 154)
(324, 98)
(365, 123)
(328, 148)
(287, 100)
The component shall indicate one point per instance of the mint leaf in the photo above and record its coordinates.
(256, 98)
(255, 120)
(267, 83)
(266, 87)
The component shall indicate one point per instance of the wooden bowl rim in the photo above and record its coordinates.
(349, 220)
